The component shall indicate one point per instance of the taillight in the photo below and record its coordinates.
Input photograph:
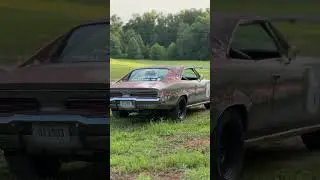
(98, 105)
(10, 105)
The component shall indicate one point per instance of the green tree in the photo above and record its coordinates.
(157, 52)
(172, 51)
(134, 51)
(115, 46)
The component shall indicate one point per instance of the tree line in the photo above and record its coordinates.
(158, 36)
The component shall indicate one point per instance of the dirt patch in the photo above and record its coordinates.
(170, 138)
(195, 143)
(163, 175)
(120, 176)
(174, 175)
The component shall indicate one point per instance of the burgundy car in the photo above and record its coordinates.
(261, 89)
(53, 106)
(165, 89)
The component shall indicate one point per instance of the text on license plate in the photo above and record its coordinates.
(126, 104)
(51, 133)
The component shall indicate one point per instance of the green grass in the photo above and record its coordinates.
(146, 149)
(120, 67)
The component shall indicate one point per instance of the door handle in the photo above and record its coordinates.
(276, 76)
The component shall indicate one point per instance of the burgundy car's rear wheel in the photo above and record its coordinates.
(180, 111)
(119, 113)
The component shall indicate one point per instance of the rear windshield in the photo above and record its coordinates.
(89, 43)
(150, 74)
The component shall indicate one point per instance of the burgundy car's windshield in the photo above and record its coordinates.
(148, 74)
(88, 43)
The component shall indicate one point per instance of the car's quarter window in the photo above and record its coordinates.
(85, 44)
(189, 74)
(148, 74)
(252, 41)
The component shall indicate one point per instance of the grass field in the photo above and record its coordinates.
(144, 149)
(120, 67)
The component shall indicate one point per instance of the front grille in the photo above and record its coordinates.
(9, 105)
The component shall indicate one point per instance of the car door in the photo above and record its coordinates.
(203, 88)
(255, 58)
(289, 95)
(191, 84)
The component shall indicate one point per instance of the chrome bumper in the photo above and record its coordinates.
(136, 99)
(90, 134)
(139, 103)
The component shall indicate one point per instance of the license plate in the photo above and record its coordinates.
(51, 134)
(126, 104)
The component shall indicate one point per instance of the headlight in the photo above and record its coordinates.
(164, 96)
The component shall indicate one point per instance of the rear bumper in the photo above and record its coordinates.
(87, 135)
(140, 104)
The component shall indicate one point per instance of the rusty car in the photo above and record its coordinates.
(166, 89)
(261, 89)
(53, 106)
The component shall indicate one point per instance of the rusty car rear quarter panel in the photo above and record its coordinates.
(273, 95)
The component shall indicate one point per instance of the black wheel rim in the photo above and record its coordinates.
(181, 110)
(225, 162)
(228, 154)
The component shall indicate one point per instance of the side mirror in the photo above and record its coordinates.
(201, 77)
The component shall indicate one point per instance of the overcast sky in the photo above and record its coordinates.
(125, 8)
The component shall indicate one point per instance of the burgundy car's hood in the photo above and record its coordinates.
(59, 73)
(145, 84)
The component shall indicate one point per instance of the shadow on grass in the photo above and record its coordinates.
(267, 155)
(281, 160)
(82, 171)
(139, 120)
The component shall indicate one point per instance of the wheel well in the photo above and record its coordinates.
(186, 97)
(242, 111)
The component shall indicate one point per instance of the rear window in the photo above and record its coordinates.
(88, 43)
(150, 74)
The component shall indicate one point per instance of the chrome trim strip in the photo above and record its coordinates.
(135, 99)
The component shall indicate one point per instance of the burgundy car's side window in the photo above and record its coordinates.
(189, 74)
(252, 41)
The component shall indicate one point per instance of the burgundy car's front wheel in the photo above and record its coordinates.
(119, 114)
(180, 111)
(207, 106)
